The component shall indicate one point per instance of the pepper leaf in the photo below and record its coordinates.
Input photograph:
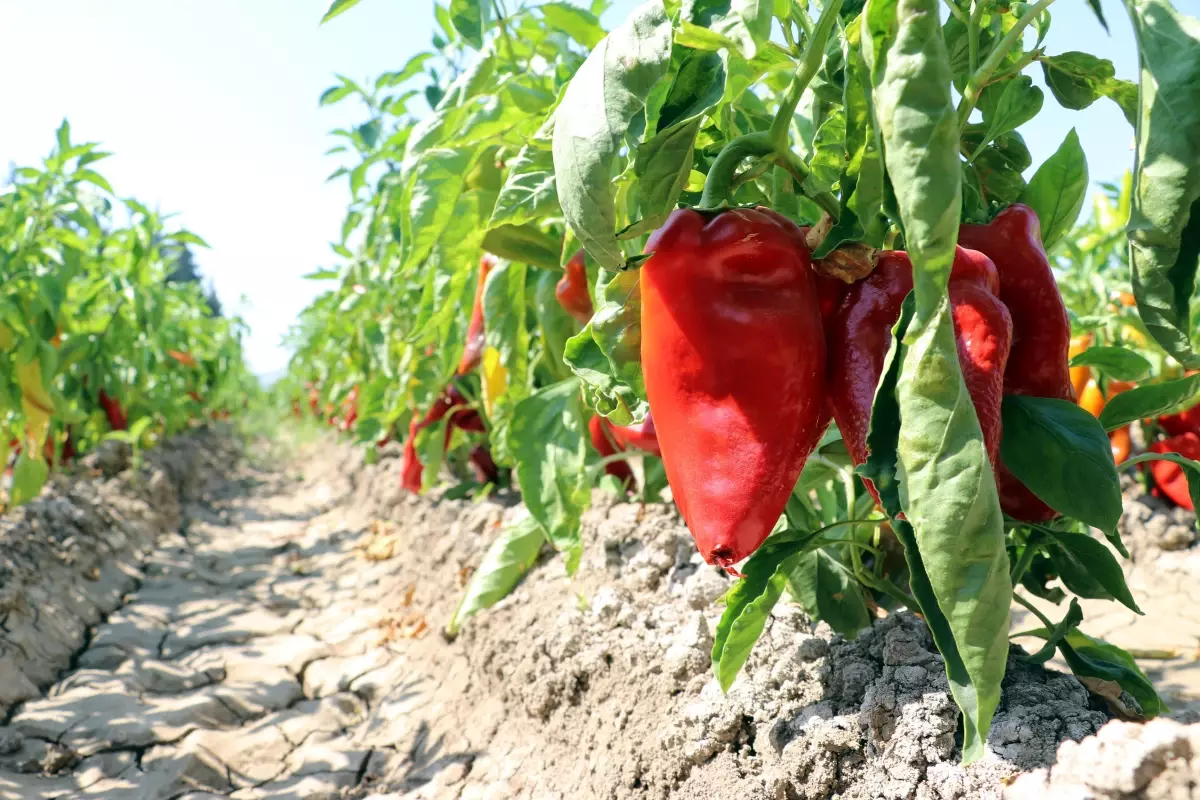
(1116, 362)
(1078, 79)
(338, 7)
(1061, 453)
(470, 19)
(607, 92)
(1089, 657)
(1057, 189)
(428, 201)
(547, 438)
(1057, 633)
(827, 590)
(504, 565)
(1008, 105)
(529, 193)
(749, 602)
(1088, 568)
(946, 487)
(1164, 223)
(1147, 401)
(739, 25)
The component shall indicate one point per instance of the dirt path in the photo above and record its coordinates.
(245, 663)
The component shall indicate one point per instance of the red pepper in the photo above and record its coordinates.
(572, 290)
(112, 409)
(314, 401)
(1170, 477)
(860, 331)
(1038, 363)
(467, 419)
(410, 465)
(350, 410)
(733, 355)
(1186, 421)
(606, 445)
(641, 436)
(482, 465)
(473, 352)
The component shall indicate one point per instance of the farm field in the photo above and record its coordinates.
(700, 399)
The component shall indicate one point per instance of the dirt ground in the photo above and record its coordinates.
(232, 627)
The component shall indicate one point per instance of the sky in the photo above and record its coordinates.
(210, 110)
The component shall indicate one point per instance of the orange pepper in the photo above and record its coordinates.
(1128, 300)
(1080, 375)
(1091, 399)
(1121, 444)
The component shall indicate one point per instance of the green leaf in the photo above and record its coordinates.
(1078, 79)
(410, 70)
(998, 168)
(1088, 568)
(505, 323)
(529, 193)
(338, 7)
(504, 565)
(580, 25)
(606, 354)
(1089, 657)
(428, 200)
(555, 325)
(748, 604)
(1095, 6)
(28, 478)
(1148, 401)
(343, 90)
(471, 19)
(524, 243)
(946, 487)
(1058, 633)
(1164, 223)
(1008, 105)
(828, 591)
(1057, 189)
(94, 178)
(740, 25)
(547, 438)
(1062, 454)
(829, 154)
(603, 98)
(1115, 362)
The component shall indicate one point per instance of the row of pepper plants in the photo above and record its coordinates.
(95, 342)
(785, 258)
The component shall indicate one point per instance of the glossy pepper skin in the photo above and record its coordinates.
(1187, 421)
(1038, 363)
(1170, 478)
(860, 331)
(733, 355)
(112, 409)
(606, 445)
(572, 290)
(473, 352)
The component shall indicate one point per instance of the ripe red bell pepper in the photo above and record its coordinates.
(112, 409)
(473, 352)
(1038, 362)
(859, 333)
(606, 445)
(733, 355)
(1186, 421)
(641, 436)
(1170, 477)
(572, 290)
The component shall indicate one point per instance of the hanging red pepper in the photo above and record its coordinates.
(314, 400)
(482, 465)
(1038, 363)
(411, 467)
(1170, 477)
(860, 331)
(572, 290)
(606, 445)
(350, 410)
(466, 419)
(1186, 421)
(112, 409)
(473, 352)
(733, 355)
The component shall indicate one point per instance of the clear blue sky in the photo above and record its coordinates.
(210, 109)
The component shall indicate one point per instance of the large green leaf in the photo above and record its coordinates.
(1078, 79)
(429, 198)
(529, 193)
(603, 98)
(1057, 189)
(1062, 454)
(946, 487)
(1164, 223)
(828, 591)
(504, 564)
(547, 438)
(1148, 401)
(1115, 362)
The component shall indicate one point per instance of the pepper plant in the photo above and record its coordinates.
(94, 340)
(789, 214)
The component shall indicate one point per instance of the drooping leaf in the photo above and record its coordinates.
(1078, 79)
(1164, 223)
(548, 441)
(603, 98)
(1089, 657)
(1088, 568)
(828, 591)
(1062, 454)
(1057, 189)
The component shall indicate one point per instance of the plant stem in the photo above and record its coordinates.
(810, 62)
(1034, 610)
(956, 11)
(1022, 565)
(720, 174)
(973, 36)
(981, 76)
